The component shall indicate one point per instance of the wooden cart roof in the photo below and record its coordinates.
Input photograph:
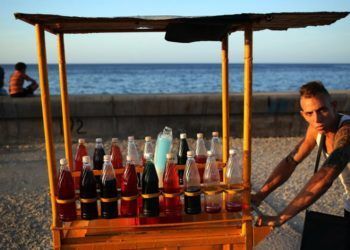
(181, 29)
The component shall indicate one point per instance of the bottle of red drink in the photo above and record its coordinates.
(192, 186)
(150, 188)
(200, 153)
(182, 157)
(172, 203)
(128, 206)
(233, 178)
(116, 159)
(211, 181)
(98, 158)
(78, 160)
(88, 193)
(66, 194)
(109, 193)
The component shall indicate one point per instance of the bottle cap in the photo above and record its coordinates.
(106, 158)
(189, 153)
(199, 135)
(128, 158)
(209, 153)
(86, 159)
(99, 140)
(169, 155)
(114, 140)
(81, 140)
(148, 155)
(131, 138)
(148, 138)
(215, 133)
(63, 161)
(183, 136)
(232, 151)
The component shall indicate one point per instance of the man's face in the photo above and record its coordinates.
(319, 112)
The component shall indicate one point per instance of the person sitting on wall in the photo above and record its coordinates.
(2, 82)
(17, 79)
(319, 111)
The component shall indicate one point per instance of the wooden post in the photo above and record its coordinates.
(247, 140)
(225, 100)
(47, 121)
(64, 100)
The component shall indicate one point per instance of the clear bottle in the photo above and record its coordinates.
(163, 146)
(147, 149)
(172, 205)
(88, 192)
(200, 154)
(99, 152)
(233, 178)
(78, 160)
(109, 193)
(216, 146)
(150, 206)
(181, 156)
(211, 181)
(132, 150)
(192, 186)
(128, 207)
(66, 194)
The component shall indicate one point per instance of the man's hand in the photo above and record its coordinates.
(266, 220)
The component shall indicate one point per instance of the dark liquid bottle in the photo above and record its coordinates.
(116, 159)
(98, 158)
(109, 193)
(192, 186)
(150, 206)
(172, 205)
(182, 157)
(88, 193)
(78, 160)
(66, 194)
(128, 206)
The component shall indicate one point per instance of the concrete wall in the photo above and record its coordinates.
(274, 114)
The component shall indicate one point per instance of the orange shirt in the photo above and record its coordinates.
(16, 82)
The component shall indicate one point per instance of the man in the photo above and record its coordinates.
(319, 111)
(17, 80)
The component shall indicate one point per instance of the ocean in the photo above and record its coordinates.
(187, 78)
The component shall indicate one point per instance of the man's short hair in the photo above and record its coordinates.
(20, 66)
(312, 89)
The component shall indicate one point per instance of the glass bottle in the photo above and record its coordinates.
(78, 160)
(216, 146)
(192, 186)
(233, 178)
(109, 193)
(116, 159)
(200, 154)
(211, 183)
(182, 157)
(66, 194)
(150, 206)
(99, 152)
(147, 149)
(88, 193)
(172, 204)
(128, 205)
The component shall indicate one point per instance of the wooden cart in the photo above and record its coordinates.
(203, 231)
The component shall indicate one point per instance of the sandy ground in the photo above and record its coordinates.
(25, 206)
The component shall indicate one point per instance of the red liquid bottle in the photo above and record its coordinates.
(116, 159)
(233, 179)
(200, 154)
(128, 205)
(109, 193)
(172, 203)
(182, 157)
(98, 158)
(66, 194)
(78, 160)
(192, 186)
(88, 193)
(150, 186)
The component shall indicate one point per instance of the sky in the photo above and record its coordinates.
(323, 44)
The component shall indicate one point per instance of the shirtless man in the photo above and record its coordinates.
(319, 111)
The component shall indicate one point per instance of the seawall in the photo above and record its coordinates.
(273, 114)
